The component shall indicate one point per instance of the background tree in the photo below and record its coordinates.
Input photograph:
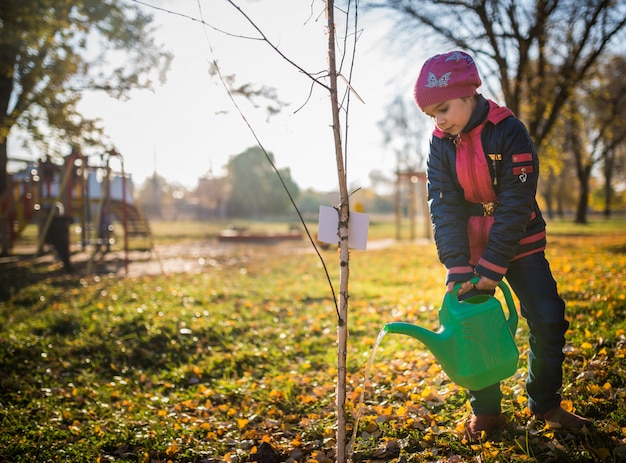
(255, 189)
(538, 51)
(403, 128)
(595, 127)
(606, 101)
(151, 195)
(584, 152)
(52, 51)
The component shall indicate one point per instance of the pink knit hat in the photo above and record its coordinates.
(446, 77)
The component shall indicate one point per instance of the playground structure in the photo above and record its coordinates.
(56, 197)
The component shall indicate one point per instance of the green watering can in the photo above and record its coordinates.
(475, 344)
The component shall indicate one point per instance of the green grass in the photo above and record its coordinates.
(208, 366)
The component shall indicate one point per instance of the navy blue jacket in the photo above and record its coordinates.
(493, 161)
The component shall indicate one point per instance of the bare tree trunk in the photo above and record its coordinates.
(583, 162)
(3, 166)
(583, 199)
(583, 173)
(608, 190)
(5, 229)
(547, 193)
(609, 157)
(342, 322)
(397, 205)
(561, 190)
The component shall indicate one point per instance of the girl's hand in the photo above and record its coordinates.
(484, 284)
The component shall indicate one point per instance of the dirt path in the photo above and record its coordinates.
(191, 256)
(24, 266)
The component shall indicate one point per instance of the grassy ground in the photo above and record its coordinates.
(237, 363)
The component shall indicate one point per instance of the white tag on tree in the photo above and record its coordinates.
(328, 228)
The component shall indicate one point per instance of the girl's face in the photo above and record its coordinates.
(452, 116)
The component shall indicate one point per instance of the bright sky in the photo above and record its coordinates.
(189, 126)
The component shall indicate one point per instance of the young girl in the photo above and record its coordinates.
(482, 182)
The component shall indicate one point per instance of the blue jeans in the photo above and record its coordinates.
(532, 282)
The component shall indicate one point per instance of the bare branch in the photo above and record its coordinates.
(276, 49)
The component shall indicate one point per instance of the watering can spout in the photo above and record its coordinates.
(437, 342)
(440, 343)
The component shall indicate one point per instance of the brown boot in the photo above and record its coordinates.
(481, 427)
(559, 418)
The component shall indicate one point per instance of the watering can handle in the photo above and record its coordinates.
(513, 319)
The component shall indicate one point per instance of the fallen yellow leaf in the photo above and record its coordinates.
(172, 449)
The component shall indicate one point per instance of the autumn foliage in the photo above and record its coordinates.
(237, 362)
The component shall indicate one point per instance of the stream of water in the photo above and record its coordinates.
(357, 408)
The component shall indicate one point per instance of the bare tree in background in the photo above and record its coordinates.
(605, 97)
(590, 135)
(404, 130)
